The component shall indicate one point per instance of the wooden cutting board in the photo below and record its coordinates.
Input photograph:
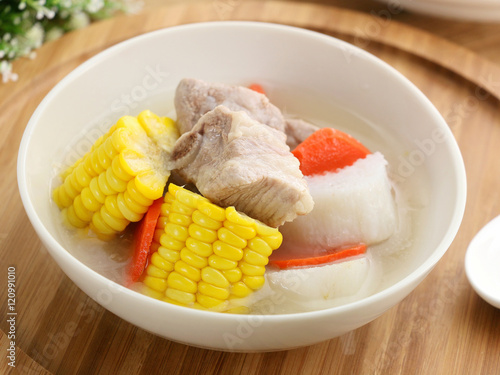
(443, 327)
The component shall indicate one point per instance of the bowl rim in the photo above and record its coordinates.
(329, 41)
(473, 267)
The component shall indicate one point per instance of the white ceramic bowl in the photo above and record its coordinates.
(307, 73)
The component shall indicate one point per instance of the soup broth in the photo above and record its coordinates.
(389, 261)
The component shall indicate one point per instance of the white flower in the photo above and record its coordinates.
(50, 14)
(53, 34)
(6, 72)
(94, 6)
(78, 20)
(29, 16)
(35, 35)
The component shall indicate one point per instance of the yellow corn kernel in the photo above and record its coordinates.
(119, 178)
(162, 130)
(80, 210)
(182, 283)
(177, 232)
(168, 198)
(170, 243)
(181, 208)
(202, 234)
(260, 246)
(251, 269)
(240, 289)
(253, 257)
(274, 241)
(69, 188)
(87, 165)
(244, 231)
(225, 250)
(211, 302)
(238, 218)
(119, 172)
(193, 259)
(233, 275)
(117, 223)
(155, 283)
(199, 248)
(95, 163)
(114, 182)
(88, 199)
(169, 255)
(103, 158)
(180, 219)
(157, 235)
(213, 291)
(111, 204)
(133, 194)
(73, 219)
(218, 255)
(160, 262)
(61, 198)
(128, 212)
(182, 298)
(205, 221)
(253, 282)
(156, 272)
(188, 271)
(151, 184)
(221, 263)
(74, 183)
(82, 176)
(225, 235)
(100, 225)
(211, 210)
(173, 189)
(162, 221)
(214, 277)
(189, 198)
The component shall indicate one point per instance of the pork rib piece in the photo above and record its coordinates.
(297, 131)
(194, 98)
(236, 161)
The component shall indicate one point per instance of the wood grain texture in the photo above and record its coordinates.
(443, 327)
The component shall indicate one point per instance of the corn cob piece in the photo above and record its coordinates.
(205, 256)
(120, 177)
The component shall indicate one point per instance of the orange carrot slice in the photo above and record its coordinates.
(327, 150)
(143, 239)
(323, 259)
(257, 87)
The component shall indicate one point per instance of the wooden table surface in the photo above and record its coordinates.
(443, 327)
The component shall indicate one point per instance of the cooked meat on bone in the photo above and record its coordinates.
(297, 131)
(236, 161)
(194, 98)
